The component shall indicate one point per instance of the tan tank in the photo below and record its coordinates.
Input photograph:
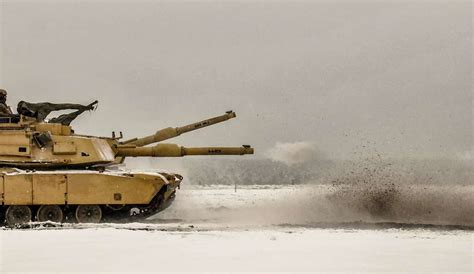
(49, 173)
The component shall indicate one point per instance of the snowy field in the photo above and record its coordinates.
(256, 229)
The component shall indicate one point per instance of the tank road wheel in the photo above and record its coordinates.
(2, 215)
(18, 215)
(88, 214)
(51, 213)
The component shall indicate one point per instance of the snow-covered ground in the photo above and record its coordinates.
(286, 228)
(289, 250)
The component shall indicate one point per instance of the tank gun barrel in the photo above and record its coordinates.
(172, 150)
(168, 133)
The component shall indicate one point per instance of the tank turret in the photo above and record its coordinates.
(50, 173)
(41, 145)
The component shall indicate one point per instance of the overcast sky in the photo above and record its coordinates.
(393, 75)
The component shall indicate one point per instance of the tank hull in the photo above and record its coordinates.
(118, 195)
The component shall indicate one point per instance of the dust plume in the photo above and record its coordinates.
(374, 190)
(293, 153)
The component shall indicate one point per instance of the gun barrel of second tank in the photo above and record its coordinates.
(172, 150)
(218, 150)
(168, 133)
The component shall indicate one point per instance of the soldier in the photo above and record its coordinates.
(66, 119)
(5, 110)
(41, 110)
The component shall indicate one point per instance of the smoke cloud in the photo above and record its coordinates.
(294, 153)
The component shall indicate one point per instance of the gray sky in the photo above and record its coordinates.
(393, 75)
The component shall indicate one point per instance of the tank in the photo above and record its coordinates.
(51, 174)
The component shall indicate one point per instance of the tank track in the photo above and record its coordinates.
(110, 214)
